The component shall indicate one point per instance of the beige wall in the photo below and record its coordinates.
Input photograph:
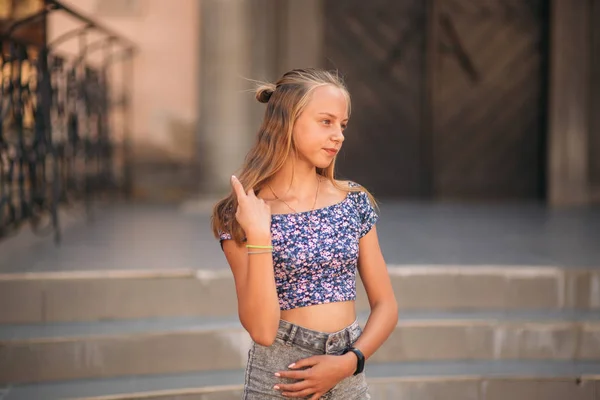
(165, 73)
(186, 139)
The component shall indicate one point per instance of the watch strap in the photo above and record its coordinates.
(360, 365)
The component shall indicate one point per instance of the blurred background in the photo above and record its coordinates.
(475, 123)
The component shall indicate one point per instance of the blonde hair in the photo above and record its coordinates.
(286, 99)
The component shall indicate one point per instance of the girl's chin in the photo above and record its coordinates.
(319, 161)
(323, 164)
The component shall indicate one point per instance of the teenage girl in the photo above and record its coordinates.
(294, 237)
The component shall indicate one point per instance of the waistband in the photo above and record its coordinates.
(323, 342)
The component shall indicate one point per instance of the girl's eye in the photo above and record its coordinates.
(327, 121)
(344, 127)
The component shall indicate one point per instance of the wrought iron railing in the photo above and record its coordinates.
(64, 132)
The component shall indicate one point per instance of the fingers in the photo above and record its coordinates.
(293, 387)
(294, 374)
(302, 393)
(305, 362)
(237, 188)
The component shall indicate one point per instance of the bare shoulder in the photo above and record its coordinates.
(333, 192)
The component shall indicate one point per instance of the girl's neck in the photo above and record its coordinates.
(300, 184)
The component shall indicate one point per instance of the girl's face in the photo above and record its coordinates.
(319, 131)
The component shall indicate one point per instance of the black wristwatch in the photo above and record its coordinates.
(360, 366)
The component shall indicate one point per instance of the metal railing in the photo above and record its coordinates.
(58, 122)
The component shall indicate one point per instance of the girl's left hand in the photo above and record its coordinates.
(324, 372)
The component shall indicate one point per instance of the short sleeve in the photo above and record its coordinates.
(368, 215)
(223, 234)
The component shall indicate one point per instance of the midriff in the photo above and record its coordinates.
(328, 317)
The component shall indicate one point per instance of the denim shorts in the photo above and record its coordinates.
(294, 342)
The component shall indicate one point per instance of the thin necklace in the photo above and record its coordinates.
(293, 209)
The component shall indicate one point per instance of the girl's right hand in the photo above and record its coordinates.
(253, 214)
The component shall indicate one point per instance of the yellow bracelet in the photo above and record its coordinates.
(260, 252)
(252, 246)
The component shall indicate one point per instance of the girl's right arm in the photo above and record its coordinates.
(258, 305)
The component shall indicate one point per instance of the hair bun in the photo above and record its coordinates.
(264, 92)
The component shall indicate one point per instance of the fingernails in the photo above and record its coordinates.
(292, 365)
(277, 374)
(233, 177)
(276, 387)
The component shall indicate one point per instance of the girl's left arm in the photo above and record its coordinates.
(384, 308)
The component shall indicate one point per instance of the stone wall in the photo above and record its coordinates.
(244, 41)
(570, 110)
(594, 154)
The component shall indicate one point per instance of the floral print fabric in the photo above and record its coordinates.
(316, 263)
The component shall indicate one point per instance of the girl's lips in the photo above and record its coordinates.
(331, 152)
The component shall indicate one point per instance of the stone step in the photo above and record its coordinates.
(78, 350)
(476, 380)
(125, 294)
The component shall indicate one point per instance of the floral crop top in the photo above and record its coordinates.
(318, 265)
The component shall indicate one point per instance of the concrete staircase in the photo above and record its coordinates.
(465, 333)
